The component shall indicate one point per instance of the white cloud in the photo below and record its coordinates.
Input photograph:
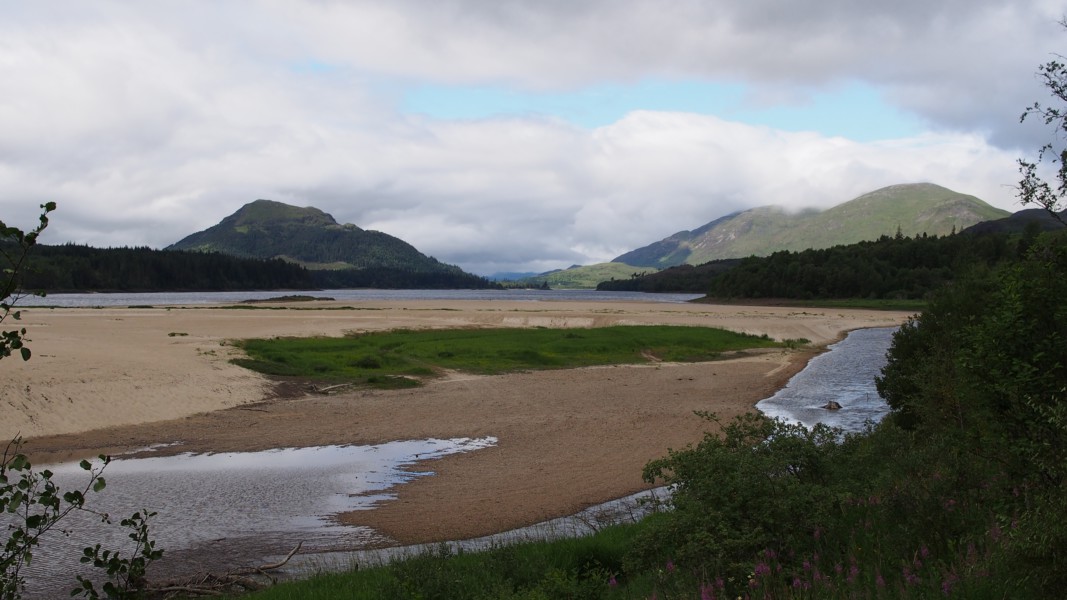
(148, 121)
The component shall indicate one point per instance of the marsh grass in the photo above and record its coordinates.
(404, 357)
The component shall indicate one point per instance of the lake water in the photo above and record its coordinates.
(365, 295)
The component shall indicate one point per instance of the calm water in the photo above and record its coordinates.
(846, 375)
(237, 505)
(184, 298)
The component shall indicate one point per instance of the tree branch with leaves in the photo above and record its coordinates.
(1033, 187)
(31, 504)
(15, 246)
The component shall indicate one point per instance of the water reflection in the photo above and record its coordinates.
(262, 501)
(844, 375)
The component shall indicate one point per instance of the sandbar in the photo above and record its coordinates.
(113, 379)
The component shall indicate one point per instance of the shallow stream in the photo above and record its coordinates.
(845, 374)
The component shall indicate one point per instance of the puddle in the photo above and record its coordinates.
(245, 504)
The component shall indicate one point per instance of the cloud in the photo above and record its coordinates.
(149, 121)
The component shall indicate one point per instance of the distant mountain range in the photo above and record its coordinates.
(338, 255)
(912, 209)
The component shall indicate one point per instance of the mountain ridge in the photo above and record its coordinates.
(912, 209)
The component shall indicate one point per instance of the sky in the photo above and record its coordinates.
(506, 135)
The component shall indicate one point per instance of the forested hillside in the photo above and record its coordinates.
(83, 268)
(310, 237)
(898, 267)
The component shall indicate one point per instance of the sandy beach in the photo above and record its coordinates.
(110, 380)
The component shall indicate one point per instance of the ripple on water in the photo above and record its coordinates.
(845, 375)
(275, 497)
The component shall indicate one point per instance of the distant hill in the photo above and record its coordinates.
(583, 277)
(911, 209)
(1018, 222)
(338, 255)
(511, 275)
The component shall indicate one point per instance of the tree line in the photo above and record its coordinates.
(73, 267)
(892, 267)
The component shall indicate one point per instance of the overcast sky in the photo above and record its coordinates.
(505, 135)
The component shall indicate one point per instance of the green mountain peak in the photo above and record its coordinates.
(912, 209)
(309, 237)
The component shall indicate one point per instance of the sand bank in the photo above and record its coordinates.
(114, 379)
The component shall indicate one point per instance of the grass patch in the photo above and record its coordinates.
(381, 357)
(568, 568)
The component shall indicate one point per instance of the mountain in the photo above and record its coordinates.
(1037, 218)
(336, 255)
(308, 237)
(911, 209)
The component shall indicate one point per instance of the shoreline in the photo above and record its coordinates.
(567, 439)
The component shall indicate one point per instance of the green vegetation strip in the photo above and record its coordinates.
(588, 567)
(402, 357)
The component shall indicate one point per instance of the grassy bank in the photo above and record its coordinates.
(404, 357)
(587, 567)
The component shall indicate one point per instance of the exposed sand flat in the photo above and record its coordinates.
(114, 379)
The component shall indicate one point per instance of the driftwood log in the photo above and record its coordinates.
(212, 584)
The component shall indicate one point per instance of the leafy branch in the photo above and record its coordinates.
(15, 246)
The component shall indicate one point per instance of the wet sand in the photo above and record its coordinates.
(115, 379)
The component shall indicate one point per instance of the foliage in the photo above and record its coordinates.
(380, 358)
(399, 278)
(31, 504)
(72, 267)
(761, 484)
(1033, 188)
(125, 576)
(682, 278)
(958, 493)
(15, 246)
(890, 268)
(581, 568)
(36, 506)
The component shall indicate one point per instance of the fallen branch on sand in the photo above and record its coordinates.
(209, 584)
